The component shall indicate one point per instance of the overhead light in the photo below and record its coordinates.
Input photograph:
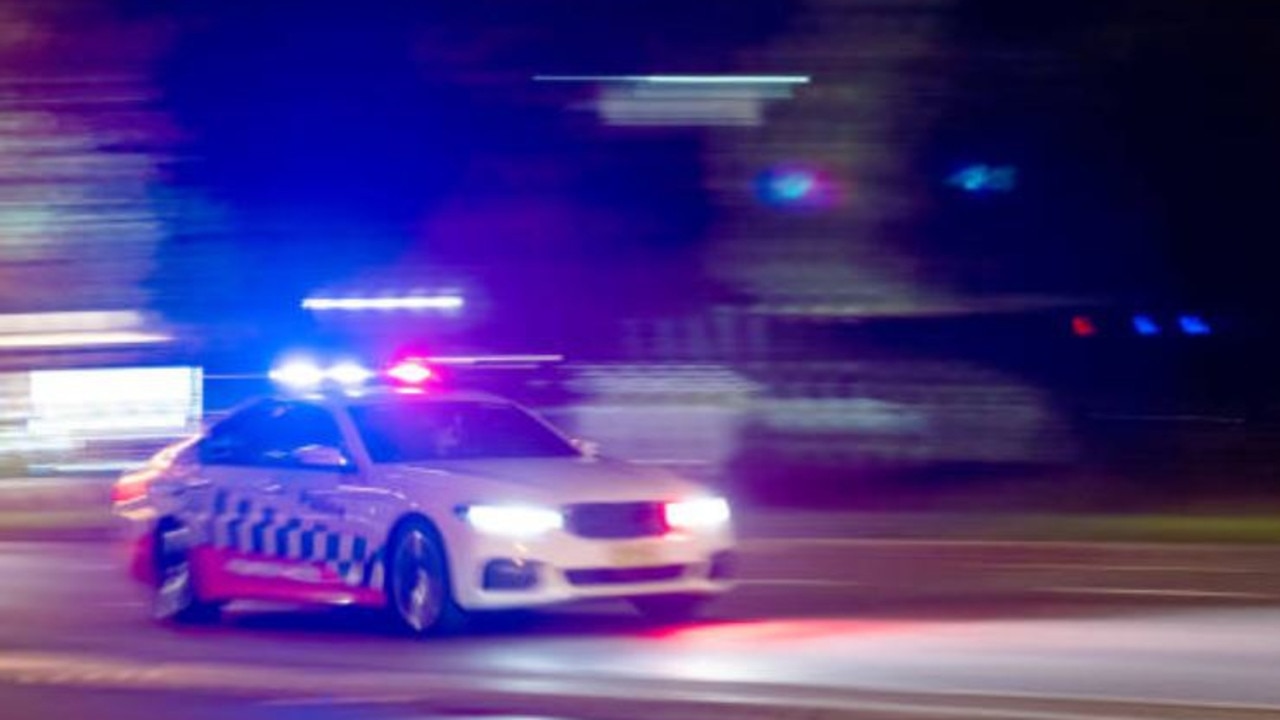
(413, 302)
(492, 359)
(681, 79)
(41, 340)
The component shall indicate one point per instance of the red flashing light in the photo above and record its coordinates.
(1082, 326)
(411, 372)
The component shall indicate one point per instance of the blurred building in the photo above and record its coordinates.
(82, 151)
(82, 154)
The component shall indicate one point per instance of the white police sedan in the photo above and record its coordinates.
(428, 504)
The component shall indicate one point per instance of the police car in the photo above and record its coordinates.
(426, 502)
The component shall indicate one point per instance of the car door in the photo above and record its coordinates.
(320, 495)
(227, 473)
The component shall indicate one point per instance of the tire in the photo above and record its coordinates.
(419, 593)
(667, 609)
(174, 597)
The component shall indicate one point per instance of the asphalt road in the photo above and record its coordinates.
(856, 628)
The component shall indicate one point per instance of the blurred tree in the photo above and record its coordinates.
(877, 91)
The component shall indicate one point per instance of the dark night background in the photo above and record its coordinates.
(333, 131)
(363, 148)
(1143, 133)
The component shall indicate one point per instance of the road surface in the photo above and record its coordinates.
(852, 627)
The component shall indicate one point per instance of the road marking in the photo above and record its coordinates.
(1157, 592)
(389, 699)
(558, 696)
(800, 582)
(1125, 568)
(775, 544)
(118, 604)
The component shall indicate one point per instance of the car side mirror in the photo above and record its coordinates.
(321, 457)
(587, 447)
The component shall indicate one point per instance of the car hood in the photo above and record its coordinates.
(543, 480)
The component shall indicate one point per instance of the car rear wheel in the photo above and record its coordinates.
(419, 595)
(670, 608)
(174, 597)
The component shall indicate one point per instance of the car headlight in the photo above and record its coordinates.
(511, 520)
(699, 514)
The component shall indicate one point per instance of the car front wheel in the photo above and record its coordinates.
(419, 596)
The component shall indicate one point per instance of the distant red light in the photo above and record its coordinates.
(1083, 326)
(410, 372)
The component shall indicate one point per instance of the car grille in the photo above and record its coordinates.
(624, 576)
(616, 520)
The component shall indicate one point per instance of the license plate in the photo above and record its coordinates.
(635, 555)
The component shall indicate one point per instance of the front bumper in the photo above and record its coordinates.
(496, 573)
(133, 535)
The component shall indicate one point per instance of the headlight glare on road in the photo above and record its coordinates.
(699, 514)
(512, 520)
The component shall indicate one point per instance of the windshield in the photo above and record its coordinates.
(412, 432)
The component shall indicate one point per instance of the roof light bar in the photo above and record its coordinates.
(303, 374)
(298, 374)
(349, 373)
(410, 372)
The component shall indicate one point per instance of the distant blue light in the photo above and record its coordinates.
(1144, 325)
(794, 186)
(1194, 325)
(984, 178)
(970, 179)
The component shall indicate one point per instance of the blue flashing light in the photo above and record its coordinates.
(307, 374)
(349, 373)
(1194, 325)
(1144, 325)
(299, 374)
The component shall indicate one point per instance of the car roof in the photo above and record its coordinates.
(382, 396)
(372, 396)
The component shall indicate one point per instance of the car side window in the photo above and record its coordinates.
(237, 439)
(295, 426)
(268, 435)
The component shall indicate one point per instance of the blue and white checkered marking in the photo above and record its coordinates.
(242, 525)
